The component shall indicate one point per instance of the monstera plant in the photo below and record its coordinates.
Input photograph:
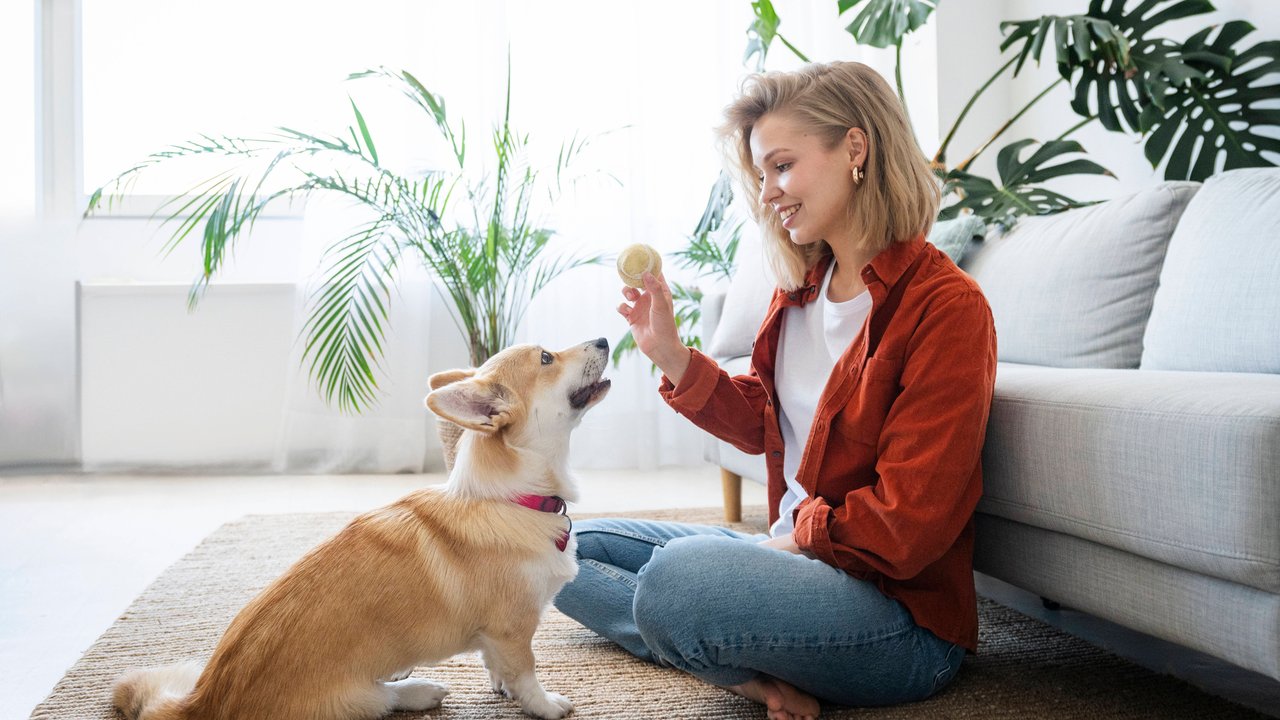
(474, 229)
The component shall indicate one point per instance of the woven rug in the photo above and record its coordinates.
(1024, 668)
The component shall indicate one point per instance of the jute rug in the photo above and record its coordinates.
(1024, 669)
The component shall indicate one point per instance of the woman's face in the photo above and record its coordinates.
(804, 182)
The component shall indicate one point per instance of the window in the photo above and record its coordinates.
(157, 73)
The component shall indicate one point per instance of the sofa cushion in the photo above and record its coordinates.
(1177, 467)
(747, 300)
(1075, 289)
(955, 237)
(1219, 296)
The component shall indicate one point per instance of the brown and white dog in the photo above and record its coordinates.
(471, 565)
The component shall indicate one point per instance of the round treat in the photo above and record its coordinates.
(635, 261)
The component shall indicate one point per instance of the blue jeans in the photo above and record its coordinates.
(714, 603)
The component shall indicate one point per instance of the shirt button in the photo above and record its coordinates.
(776, 453)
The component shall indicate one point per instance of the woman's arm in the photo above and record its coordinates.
(731, 408)
(928, 454)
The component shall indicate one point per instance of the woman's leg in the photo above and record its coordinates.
(728, 610)
(611, 552)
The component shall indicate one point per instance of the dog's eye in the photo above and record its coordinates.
(546, 358)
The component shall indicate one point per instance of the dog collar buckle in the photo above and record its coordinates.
(549, 504)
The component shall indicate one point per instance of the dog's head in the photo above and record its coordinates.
(524, 391)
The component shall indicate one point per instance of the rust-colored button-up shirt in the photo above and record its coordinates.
(892, 466)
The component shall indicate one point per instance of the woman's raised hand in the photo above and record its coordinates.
(651, 315)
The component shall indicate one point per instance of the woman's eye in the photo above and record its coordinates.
(546, 358)
(783, 167)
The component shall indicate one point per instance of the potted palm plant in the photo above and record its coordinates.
(476, 233)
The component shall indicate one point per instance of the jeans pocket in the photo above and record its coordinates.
(950, 666)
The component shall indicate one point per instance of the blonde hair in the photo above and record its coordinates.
(897, 199)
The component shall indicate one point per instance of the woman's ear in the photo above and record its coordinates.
(855, 141)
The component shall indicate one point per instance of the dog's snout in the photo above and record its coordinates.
(602, 343)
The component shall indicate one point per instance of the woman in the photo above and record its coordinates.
(870, 387)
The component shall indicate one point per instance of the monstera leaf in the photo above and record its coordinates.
(1197, 101)
(1078, 40)
(1018, 193)
(1218, 112)
(883, 23)
(1111, 48)
(761, 32)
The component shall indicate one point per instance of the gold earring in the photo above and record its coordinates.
(857, 175)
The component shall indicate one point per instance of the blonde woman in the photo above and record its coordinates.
(869, 392)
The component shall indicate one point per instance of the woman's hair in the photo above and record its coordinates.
(897, 199)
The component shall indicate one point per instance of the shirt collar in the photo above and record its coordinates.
(886, 268)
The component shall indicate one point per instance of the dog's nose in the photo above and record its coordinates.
(602, 343)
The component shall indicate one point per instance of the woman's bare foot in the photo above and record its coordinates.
(783, 700)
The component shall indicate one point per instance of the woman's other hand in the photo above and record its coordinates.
(651, 315)
(785, 542)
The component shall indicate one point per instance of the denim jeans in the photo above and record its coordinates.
(716, 604)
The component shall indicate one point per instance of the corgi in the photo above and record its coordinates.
(470, 565)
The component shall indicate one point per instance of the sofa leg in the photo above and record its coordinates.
(731, 483)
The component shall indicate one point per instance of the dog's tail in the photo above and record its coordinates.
(156, 693)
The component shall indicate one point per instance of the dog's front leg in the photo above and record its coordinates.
(491, 664)
(510, 663)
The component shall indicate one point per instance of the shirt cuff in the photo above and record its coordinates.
(811, 529)
(696, 386)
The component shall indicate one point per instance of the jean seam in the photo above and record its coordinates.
(625, 533)
(610, 571)
(776, 642)
(941, 678)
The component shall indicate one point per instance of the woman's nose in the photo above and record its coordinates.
(768, 192)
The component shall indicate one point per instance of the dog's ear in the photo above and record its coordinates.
(440, 379)
(473, 404)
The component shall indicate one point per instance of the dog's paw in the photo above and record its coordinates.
(551, 706)
(495, 682)
(417, 694)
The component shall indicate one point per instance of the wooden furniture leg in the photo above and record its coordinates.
(731, 483)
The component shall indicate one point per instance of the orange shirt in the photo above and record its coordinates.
(893, 463)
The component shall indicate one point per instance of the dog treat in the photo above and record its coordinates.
(634, 261)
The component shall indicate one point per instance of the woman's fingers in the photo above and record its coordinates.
(657, 288)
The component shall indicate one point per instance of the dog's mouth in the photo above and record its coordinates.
(589, 394)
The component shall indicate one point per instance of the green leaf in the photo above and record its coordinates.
(1118, 93)
(1078, 40)
(883, 23)
(1019, 193)
(761, 32)
(1218, 115)
(364, 132)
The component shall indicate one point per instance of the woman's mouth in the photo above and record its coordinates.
(787, 213)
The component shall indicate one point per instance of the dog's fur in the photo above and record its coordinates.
(439, 572)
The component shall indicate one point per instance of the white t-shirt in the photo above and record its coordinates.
(814, 336)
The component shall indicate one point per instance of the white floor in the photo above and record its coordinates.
(76, 550)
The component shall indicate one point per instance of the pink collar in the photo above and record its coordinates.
(548, 504)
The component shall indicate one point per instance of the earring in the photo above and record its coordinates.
(857, 175)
